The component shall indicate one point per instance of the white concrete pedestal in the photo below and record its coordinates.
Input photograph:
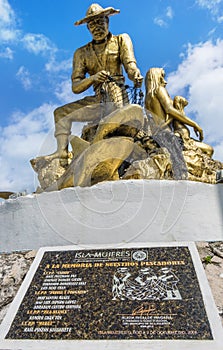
(114, 213)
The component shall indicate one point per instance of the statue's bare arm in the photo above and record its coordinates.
(134, 74)
(80, 85)
(80, 82)
(167, 105)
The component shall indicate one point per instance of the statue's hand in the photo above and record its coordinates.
(138, 79)
(199, 132)
(100, 77)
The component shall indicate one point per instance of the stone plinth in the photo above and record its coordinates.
(114, 212)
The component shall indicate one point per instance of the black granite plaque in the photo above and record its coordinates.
(140, 293)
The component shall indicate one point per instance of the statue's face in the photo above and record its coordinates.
(162, 78)
(98, 28)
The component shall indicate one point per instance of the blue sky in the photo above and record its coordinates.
(37, 41)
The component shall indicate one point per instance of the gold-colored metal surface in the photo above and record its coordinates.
(6, 195)
(121, 140)
(182, 131)
(99, 64)
(169, 114)
(160, 105)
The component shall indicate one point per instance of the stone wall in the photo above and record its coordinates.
(13, 268)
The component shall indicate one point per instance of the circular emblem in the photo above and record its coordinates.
(139, 255)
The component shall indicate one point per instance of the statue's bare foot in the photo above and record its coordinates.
(43, 161)
(58, 154)
(61, 155)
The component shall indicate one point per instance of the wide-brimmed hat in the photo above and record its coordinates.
(95, 10)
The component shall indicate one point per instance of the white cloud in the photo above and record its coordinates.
(218, 151)
(211, 32)
(38, 120)
(9, 35)
(8, 28)
(163, 20)
(24, 76)
(199, 59)
(200, 78)
(6, 53)
(64, 93)
(26, 137)
(54, 67)
(7, 14)
(160, 22)
(214, 6)
(38, 44)
(169, 12)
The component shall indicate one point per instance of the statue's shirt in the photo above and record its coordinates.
(92, 58)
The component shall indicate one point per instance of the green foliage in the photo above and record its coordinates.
(207, 259)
